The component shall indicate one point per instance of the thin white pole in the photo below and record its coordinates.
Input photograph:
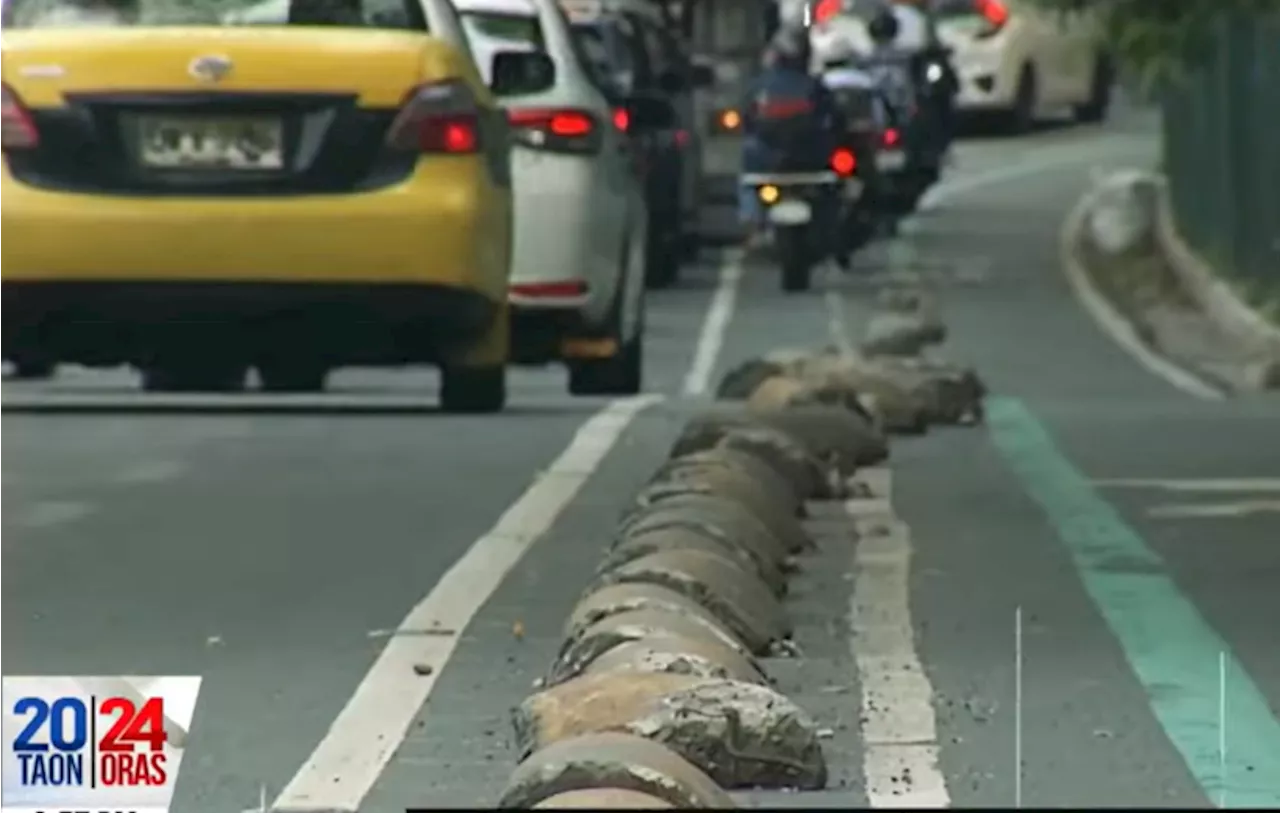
(1017, 707)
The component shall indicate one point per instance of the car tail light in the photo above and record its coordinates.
(844, 162)
(441, 117)
(995, 12)
(559, 289)
(622, 119)
(556, 130)
(892, 137)
(825, 10)
(19, 131)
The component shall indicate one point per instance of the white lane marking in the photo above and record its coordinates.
(1109, 319)
(838, 324)
(1222, 510)
(50, 513)
(899, 730)
(1223, 484)
(365, 734)
(715, 325)
(154, 471)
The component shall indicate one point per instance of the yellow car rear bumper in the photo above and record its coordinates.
(441, 227)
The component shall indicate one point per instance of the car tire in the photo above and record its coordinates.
(293, 375)
(621, 375)
(194, 376)
(662, 259)
(33, 369)
(1095, 110)
(1021, 118)
(473, 390)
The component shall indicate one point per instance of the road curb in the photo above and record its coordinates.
(1110, 320)
(1216, 298)
(666, 645)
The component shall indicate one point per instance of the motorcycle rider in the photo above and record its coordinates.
(790, 122)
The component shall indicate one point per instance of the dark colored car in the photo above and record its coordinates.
(642, 57)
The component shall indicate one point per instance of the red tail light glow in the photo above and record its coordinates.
(559, 289)
(844, 162)
(437, 118)
(995, 12)
(19, 131)
(825, 10)
(558, 130)
(622, 119)
(892, 137)
(683, 138)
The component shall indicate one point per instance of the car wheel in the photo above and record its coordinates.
(1021, 118)
(293, 375)
(1095, 110)
(473, 390)
(194, 376)
(662, 259)
(33, 369)
(622, 374)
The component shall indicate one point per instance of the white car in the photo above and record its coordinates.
(577, 291)
(1022, 62)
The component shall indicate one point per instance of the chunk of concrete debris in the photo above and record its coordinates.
(669, 653)
(792, 390)
(579, 652)
(604, 799)
(901, 334)
(733, 594)
(783, 522)
(737, 429)
(845, 440)
(612, 760)
(743, 735)
(618, 599)
(635, 545)
(951, 394)
(738, 474)
(729, 521)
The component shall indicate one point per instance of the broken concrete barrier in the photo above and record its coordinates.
(736, 473)
(733, 594)
(728, 520)
(669, 653)
(845, 440)
(603, 799)
(743, 735)
(737, 429)
(588, 643)
(657, 540)
(951, 394)
(893, 333)
(612, 760)
(784, 392)
(616, 599)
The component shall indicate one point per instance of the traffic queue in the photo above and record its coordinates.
(293, 186)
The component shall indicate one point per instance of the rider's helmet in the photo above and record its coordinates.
(883, 27)
(835, 51)
(790, 49)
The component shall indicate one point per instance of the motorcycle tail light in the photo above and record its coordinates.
(995, 12)
(892, 137)
(844, 162)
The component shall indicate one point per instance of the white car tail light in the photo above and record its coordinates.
(563, 130)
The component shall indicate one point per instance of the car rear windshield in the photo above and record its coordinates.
(373, 14)
(521, 28)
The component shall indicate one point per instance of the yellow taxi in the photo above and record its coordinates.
(291, 186)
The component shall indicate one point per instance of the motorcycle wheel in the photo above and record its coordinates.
(792, 245)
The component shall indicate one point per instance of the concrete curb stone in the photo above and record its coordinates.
(669, 653)
(639, 544)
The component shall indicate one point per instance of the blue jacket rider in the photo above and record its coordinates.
(789, 118)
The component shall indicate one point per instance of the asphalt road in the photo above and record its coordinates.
(277, 554)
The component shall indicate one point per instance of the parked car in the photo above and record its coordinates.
(647, 59)
(179, 195)
(577, 289)
(1018, 61)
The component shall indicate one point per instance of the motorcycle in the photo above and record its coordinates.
(804, 210)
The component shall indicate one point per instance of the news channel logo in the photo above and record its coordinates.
(94, 743)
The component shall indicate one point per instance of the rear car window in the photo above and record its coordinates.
(372, 14)
(521, 28)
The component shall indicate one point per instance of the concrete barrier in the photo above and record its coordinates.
(639, 544)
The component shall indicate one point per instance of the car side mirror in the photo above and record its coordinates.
(520, 73)
(703, 76)
(650, 113)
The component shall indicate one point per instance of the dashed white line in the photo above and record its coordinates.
(50, 513)
(364, 736)
(715, 325)
(899, 729)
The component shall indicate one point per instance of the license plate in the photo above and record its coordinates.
(199, 143)
(790, 213)
(853, 189)
(890, 160)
